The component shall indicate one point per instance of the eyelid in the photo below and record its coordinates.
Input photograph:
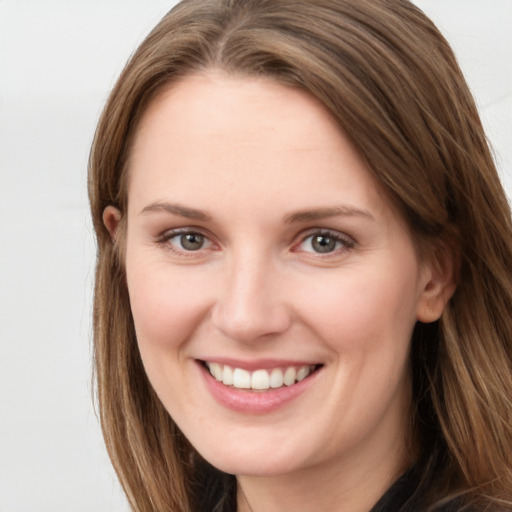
(347, 241)
(164, 240)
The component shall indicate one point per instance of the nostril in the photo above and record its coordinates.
(247, 324)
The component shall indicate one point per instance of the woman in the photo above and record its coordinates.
(303, 291)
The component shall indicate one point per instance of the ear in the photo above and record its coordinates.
(440, 273)
(111, 218)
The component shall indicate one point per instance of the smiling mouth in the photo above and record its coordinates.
(262, 379)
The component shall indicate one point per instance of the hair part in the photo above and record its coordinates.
(392, 83)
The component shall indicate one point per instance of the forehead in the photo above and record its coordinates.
(252, 137)
(212, 105)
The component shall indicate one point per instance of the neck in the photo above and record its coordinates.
(352, 492)
(352, 485)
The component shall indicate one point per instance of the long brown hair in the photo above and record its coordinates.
(391, 81)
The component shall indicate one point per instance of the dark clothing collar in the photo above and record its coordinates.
(218, 494)
(400, 497)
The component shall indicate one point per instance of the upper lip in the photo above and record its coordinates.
(259, 364)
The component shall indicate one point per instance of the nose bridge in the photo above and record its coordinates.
(251, 304)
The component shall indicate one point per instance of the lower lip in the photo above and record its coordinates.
(255, 402)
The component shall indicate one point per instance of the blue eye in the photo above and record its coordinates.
(325, 243)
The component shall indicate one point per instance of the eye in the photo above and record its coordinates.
(185, 241)
(325, 242)
(189, 241)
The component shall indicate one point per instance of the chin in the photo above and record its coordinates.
(252, 465)
(252, 459)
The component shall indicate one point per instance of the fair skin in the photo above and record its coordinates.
(257, 240)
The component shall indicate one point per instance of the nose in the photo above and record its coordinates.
(251, 305)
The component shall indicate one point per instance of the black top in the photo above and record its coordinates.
(400, 497)
(218, 494)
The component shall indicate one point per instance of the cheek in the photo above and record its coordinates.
(366, 322)
(167, 308)
(365, 309)
(167, 304)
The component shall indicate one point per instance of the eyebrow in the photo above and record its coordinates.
(176, 209)
(300, 216)
(325, 213)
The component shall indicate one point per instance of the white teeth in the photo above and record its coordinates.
(259, 379)
(227, 375)
(216, 370)
(289, 376)
(303, 372)
(241, 379)
(276, 378)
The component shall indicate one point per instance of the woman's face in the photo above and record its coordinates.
(260, 249)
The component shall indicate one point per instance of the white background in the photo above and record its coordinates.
(58, 59)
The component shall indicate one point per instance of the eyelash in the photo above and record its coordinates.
(165, 239)
(346, 242)
(337, 237)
